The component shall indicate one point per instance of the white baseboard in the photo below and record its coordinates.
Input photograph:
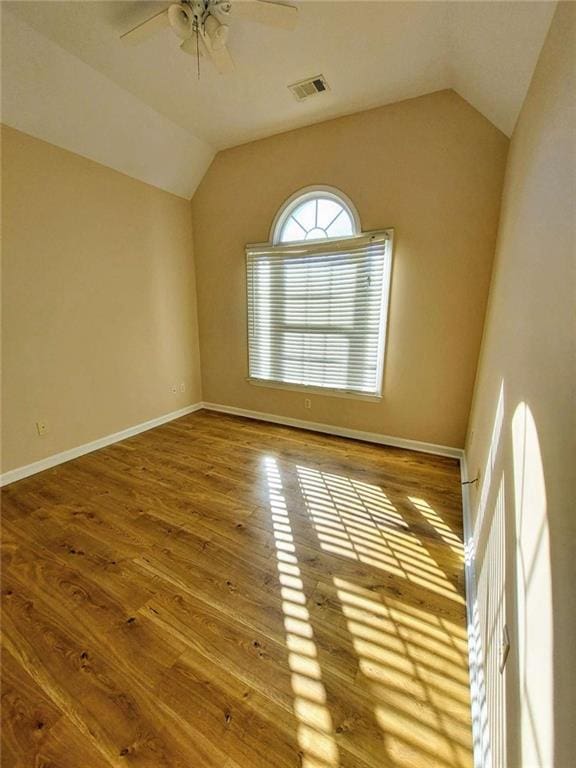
(59, 458)
(480, 735)
(369, 437)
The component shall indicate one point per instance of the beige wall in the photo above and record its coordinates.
(431, 168)
(99, 308)
(529, 354)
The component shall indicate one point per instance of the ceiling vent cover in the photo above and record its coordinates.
(312, 86)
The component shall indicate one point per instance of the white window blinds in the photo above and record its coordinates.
(316, 312)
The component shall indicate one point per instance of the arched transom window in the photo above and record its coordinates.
(317, 298)
(316, 215)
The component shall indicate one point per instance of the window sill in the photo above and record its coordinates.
(269, 384)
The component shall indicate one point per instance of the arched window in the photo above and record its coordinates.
(315, 214)
(318, 298)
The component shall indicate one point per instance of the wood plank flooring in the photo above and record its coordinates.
(223, 592)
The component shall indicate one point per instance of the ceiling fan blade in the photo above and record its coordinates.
(146, 29)
(266, 12)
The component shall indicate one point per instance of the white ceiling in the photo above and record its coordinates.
(67, 78)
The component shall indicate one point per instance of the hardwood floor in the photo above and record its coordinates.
(223, 592)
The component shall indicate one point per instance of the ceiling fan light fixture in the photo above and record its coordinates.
(216, 32)
(181, 20)
(222, 8)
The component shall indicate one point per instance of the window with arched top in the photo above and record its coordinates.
(318, 298)
(317, 214)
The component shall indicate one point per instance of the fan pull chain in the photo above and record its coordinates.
(196, 29)
(198, 50)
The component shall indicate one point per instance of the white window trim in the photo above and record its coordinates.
(350, 395)
(313, 193)
(385, 308)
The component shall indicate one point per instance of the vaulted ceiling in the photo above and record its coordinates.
(68, 79)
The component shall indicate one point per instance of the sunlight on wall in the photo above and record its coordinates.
(480, 730)
(315, 729)
(357, 520)
(534, 589)
(491, 603)
(484, 673)
(534, 598)
(489, 466)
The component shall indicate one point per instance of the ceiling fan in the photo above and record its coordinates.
(203, 25)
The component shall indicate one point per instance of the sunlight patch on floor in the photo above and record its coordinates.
(400, 669)
(357, 520)
(315, 727)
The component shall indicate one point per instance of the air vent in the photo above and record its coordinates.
(310, 87)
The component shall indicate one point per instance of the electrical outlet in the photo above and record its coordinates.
(307, 403)
(182, 387)
(174, 388)
(42, 428)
